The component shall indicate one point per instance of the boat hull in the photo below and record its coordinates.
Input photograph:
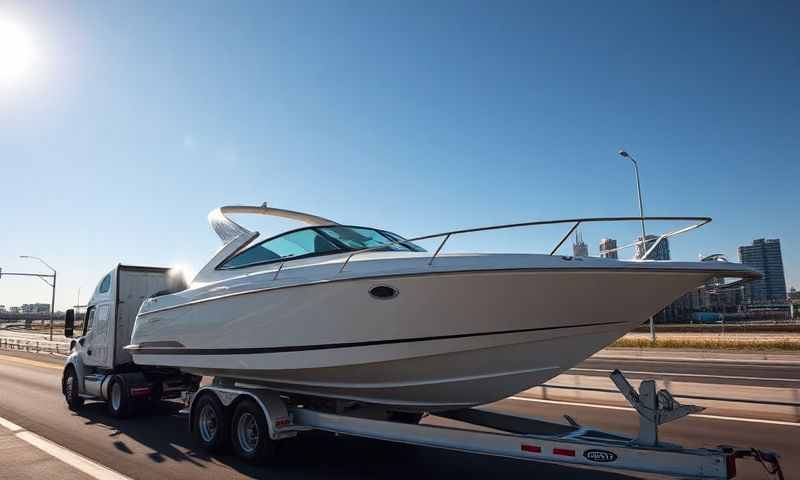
(446, 340)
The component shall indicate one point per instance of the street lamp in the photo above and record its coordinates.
(624, 154)
(53, 300)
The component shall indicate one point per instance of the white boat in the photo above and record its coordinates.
(362, 314)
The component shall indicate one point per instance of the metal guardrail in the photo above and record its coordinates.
(692, 397)
(34, 346)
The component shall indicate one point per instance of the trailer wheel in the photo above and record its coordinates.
(119, 399)
(69, 385)
(249, 433)
(209, 423)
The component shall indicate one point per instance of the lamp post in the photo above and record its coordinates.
(53, 299)
(624, 154)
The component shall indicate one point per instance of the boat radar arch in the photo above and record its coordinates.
(228, 230)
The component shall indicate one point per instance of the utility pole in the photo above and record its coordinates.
(53, 298)
(624, 154)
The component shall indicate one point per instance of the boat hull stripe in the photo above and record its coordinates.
(144, 350)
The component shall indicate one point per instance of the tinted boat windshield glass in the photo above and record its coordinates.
(357, 238)
(300, 243)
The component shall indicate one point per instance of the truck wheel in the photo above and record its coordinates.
(249, 433)
(119, 399)
(210, 426)
(69, 385)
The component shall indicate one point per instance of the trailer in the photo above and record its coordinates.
(252, 420)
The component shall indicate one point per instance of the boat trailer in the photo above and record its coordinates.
(517, 437)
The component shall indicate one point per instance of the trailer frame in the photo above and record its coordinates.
(505, 435)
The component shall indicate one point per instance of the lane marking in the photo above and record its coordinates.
(631, 409)
(9, 425)
(700, 375)
(73, 459)
(79, 462)
(34, 363)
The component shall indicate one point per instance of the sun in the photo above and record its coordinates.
(17, 53)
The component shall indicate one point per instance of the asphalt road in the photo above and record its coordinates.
(159, 445)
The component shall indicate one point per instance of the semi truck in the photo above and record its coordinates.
(98, 367)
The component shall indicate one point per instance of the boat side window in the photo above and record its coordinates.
(297, 244)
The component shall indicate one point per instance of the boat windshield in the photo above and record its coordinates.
(310, 242)
(358, 238)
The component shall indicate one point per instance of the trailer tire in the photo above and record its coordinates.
(119, 399)
(210, 423)
(250, 434)
(70, 388)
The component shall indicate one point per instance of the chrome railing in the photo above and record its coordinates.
(576, 222)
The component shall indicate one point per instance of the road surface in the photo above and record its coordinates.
(159, 446)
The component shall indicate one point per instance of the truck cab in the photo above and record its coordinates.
(99, 367)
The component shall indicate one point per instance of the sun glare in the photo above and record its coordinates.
(16, 51)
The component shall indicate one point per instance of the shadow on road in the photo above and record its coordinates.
(318, 455)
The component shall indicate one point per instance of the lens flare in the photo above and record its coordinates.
(17, 53)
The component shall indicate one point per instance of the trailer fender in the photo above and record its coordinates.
(279, 422)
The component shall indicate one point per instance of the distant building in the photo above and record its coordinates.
(35, 308)
(607, 244)
(661, 251)
(765, 256)
(710, 298)
(579, 248)
(13, 309)
(2, 308)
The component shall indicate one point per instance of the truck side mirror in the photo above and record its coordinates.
(69, 323)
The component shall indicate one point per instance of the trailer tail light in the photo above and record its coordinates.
(531, 448)
(564, 451)
(140, 391)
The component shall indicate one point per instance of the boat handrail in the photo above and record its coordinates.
(699, 222)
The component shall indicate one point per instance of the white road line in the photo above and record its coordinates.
(75, 460)
(630, 409)
(700, 375)
(9, 425)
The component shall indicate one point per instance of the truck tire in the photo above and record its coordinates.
(119, 399)
(249, 433)
(210, 423)
(69, 385)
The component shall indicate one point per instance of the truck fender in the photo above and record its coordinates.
(130, 380)
(74, 361)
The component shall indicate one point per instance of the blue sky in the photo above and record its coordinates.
(138, 118)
